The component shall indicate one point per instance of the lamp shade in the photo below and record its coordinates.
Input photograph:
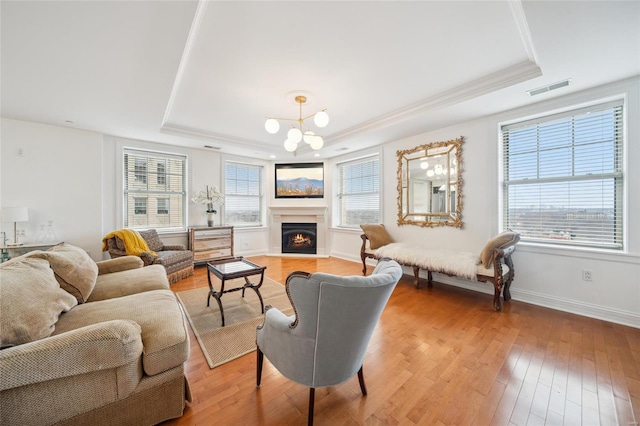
(272, 126)
(321, 119)
(15, 214)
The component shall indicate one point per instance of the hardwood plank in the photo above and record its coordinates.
(438, 356)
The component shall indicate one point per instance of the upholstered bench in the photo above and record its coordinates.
(493, 265)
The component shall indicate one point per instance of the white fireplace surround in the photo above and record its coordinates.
(312, 214)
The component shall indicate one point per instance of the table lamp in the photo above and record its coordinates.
(15, 214)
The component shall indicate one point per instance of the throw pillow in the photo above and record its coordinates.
(74, 269)
(377, 235)
(502, 240)
(31, 301)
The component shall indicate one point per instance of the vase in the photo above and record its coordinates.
(211, 219)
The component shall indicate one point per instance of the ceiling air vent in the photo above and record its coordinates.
(212, 147)
(554, 86)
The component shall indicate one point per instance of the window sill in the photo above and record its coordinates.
(579, 252)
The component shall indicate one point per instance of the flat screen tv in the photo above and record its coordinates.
(299, 180)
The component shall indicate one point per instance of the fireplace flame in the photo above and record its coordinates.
(300, 240)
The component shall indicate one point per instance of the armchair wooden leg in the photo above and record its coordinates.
(259, 371)
(312, 393)
(363, 387)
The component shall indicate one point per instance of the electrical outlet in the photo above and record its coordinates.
(20, 152)
(586, 275)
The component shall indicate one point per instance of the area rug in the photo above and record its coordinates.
(241, 315)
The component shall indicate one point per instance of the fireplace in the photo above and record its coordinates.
(300, 238)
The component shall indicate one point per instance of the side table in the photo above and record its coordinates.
(228, 269)
(15, 251)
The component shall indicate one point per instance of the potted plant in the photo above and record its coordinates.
(209, 196)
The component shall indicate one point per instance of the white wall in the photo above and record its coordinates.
(545, 275)
(73, 178)
(58, 177)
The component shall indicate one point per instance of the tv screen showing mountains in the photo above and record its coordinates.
(299, 187)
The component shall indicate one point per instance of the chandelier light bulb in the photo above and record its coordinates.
(438, 169)
(272, 126)
(294, 134)
(321, 119)
(424, 165)
(308, 136)
(290, 145)
(316, 142)
(430, 173)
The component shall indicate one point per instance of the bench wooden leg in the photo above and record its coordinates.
(416, 277)
(429, 279)
(497, 305)
(364, 264)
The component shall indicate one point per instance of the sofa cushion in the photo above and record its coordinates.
(73, 268)
(164, 334)
(500, 241)
(31, 301)
(377, 235)
(132, 281)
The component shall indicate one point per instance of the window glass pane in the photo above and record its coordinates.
(155, 190)
(161, 177)
(243, 194)
(359, 192)
(569, 189)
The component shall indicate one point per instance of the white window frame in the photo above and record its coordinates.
(618, 174)
(340, 197)
(229, 195)
(150, 192)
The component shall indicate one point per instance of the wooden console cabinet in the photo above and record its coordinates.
(209, 243)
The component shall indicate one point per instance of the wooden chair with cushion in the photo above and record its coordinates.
(176, 259)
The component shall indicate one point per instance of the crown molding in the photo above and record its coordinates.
(174, 129)
(509, 76)
(186, 53)
(523, 27)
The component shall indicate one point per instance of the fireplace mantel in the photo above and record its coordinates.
(302, 214)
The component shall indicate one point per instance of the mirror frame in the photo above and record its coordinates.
(402, 157)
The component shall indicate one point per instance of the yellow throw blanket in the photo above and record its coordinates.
(134, 244)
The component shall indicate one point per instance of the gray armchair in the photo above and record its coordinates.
(176, 259)
(325, 341)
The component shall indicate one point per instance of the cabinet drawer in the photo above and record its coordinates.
(211, 254)
(211, 244)
(211, 233)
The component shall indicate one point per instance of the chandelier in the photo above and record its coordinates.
(302, 131)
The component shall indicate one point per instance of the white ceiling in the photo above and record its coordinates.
(209, 73)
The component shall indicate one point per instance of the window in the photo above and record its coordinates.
(563, 177)
(154, 201)
(243, 194)
(161, 175)
(140, 206)
(359, 192)
(163, 206)
(140, 168)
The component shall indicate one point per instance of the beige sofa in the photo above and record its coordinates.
(89, 343)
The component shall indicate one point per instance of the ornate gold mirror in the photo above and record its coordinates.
(430, 184)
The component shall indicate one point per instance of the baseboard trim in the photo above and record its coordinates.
(617, 316)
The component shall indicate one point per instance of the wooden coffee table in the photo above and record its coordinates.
(231, 268)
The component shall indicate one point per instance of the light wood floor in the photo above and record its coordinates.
(439, 356)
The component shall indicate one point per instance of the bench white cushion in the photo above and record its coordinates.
(452, 262)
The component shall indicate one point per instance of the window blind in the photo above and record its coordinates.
(563, 177)
(154, 190)
(243, 194)
(359, 191)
